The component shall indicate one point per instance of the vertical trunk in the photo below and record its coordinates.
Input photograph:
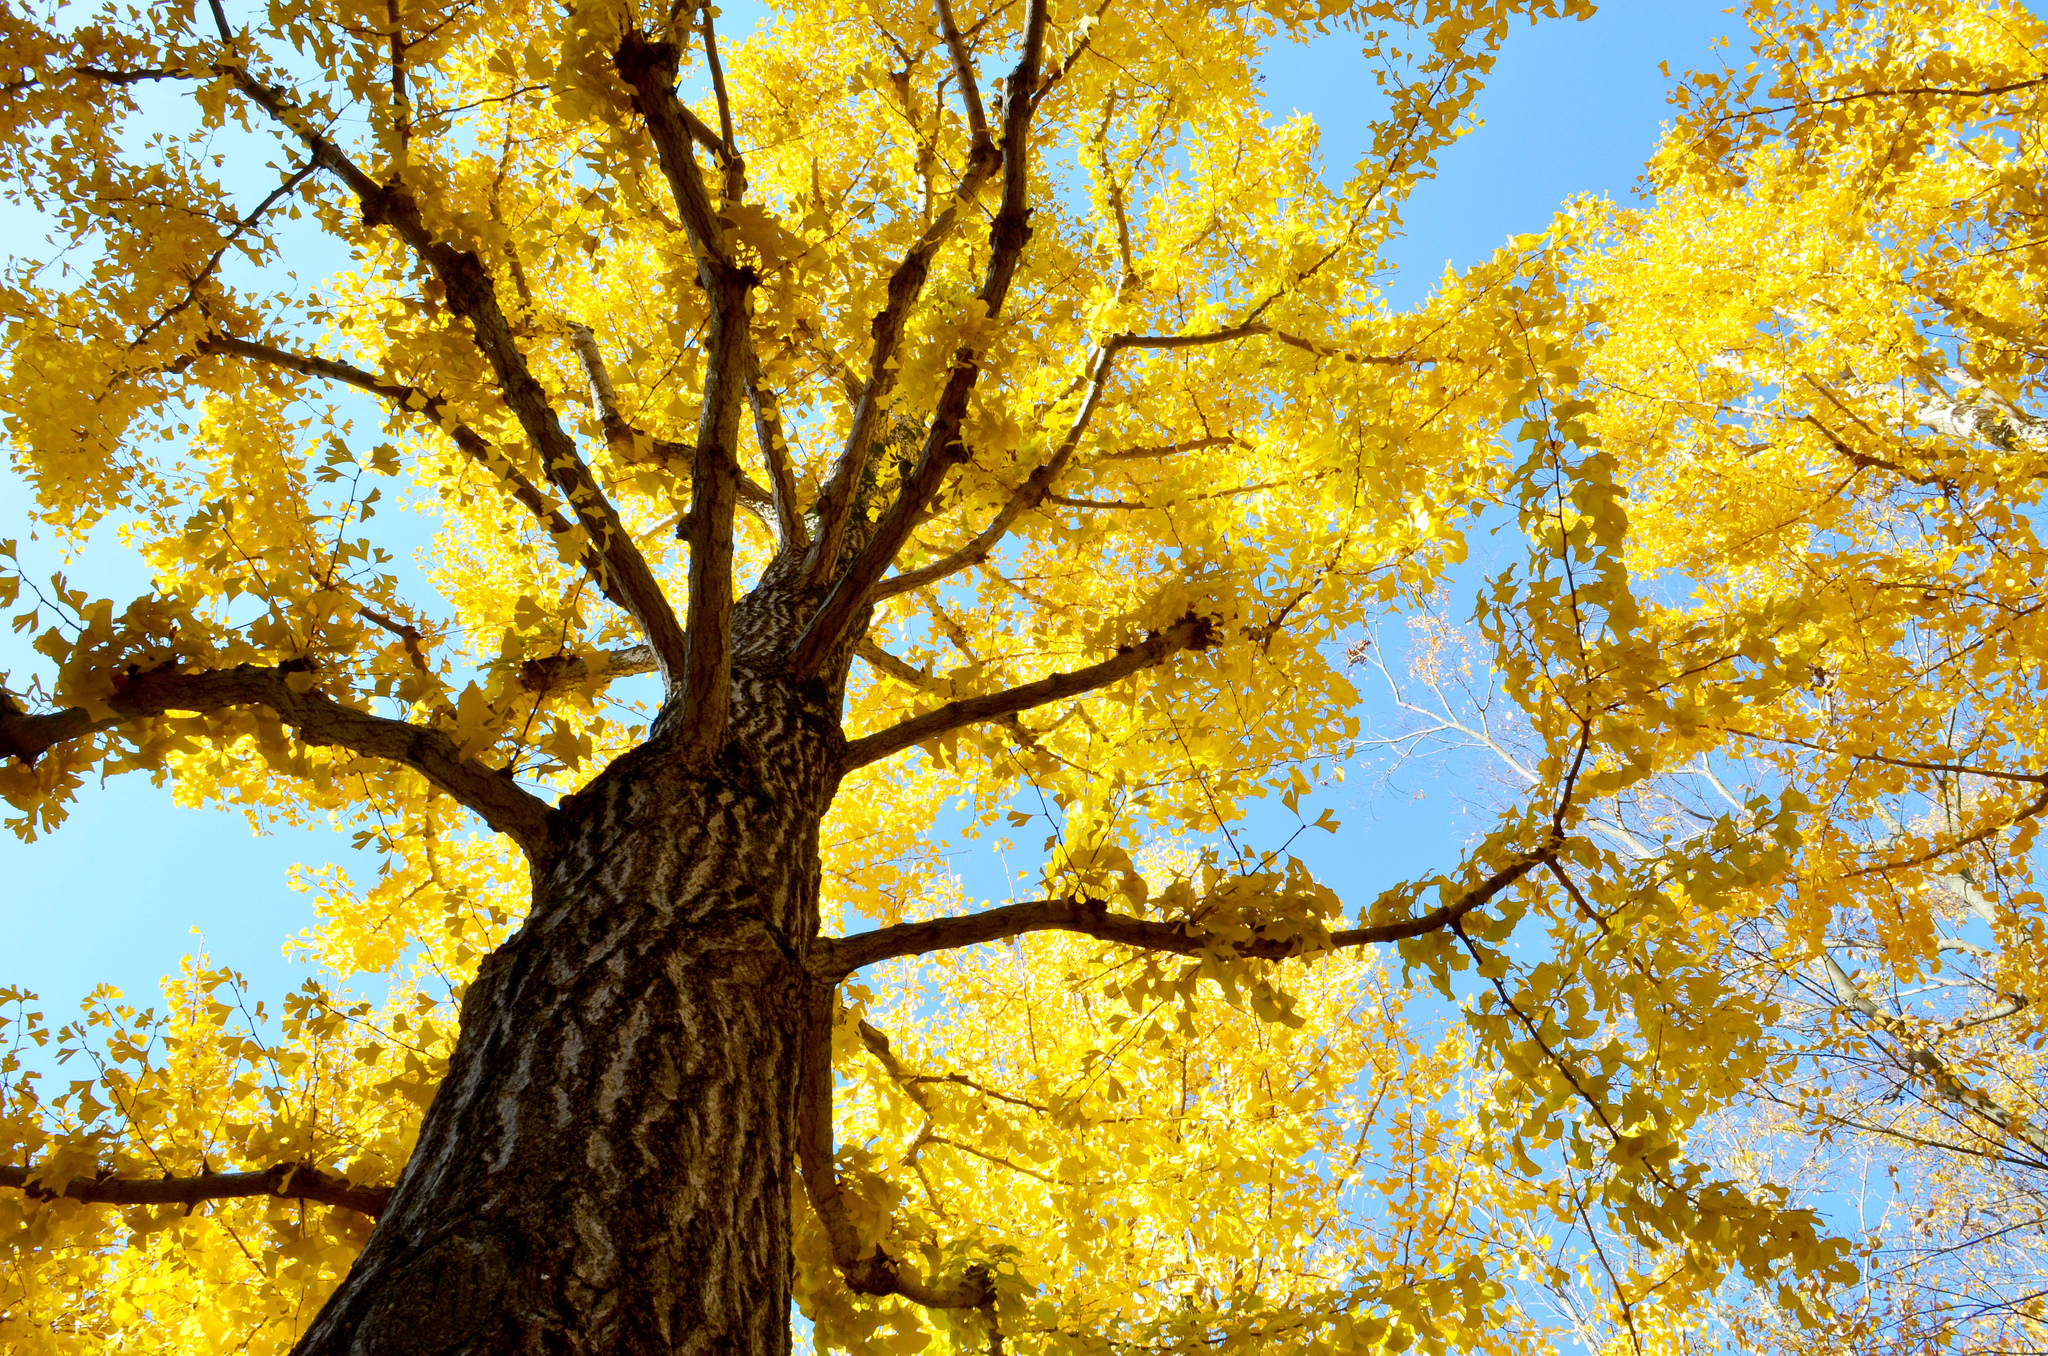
(608, 1166)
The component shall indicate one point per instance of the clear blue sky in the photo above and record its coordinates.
(116, 893)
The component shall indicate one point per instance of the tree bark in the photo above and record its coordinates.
(608, 1166)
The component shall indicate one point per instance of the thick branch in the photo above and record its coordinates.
(435, 410)
(1189, 633)
(834, 958)
(875, 1272)
(704, 691)
(906, 285)
(943, 450)
(571, 670)
(472, 296)
(288, 1181)
(315, 717)
(1027, 496)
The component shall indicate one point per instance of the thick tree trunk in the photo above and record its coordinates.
(609, 1164)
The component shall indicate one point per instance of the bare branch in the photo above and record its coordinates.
(963, 71)
(287, 1181)
(1189, 633)
(315, 717)
(833, 958)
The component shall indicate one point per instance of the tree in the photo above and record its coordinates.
(1031, 433)
(1825, 341)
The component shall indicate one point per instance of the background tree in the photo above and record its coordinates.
(954, 402)
(1824, 344)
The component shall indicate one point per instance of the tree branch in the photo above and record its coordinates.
(471, 295)
(704, 692)
(834, 958)
(315, 717)
(288, 1181)
(435, 410)
(1027, 496)
(888, 663)
(735, 169)
(1189, 633)
(570, 670)
(906, 284)
(1903, 91)
(629, 441)
(963, 70)
(874, 1272)
(1008, 234)
(768, 432)
(1916, 1053)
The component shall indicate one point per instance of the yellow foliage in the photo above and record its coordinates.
(1095, 353)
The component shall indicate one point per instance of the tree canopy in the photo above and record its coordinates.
(1018, 352)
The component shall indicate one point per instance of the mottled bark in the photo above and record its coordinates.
(608, 1166)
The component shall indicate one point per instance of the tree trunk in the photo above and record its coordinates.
(609, 1164)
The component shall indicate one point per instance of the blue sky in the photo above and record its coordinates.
(117, 894)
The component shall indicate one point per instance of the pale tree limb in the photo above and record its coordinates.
(1189, 633)
(1165, 449)
(1008, 234)
(573, 670)
(901, 670)
(1916, 1054)
(316, 718)
(286, 1181)
(834, 958)
(471, 295)
(434, 410)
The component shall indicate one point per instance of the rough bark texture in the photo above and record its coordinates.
(609, 1165)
